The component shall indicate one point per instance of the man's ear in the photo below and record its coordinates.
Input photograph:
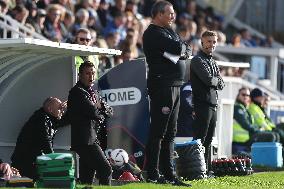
(201, 43)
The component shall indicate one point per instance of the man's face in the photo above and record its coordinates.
(167, 18)
(83, 38)
(209, 44)
(56, 109)
(87, 76)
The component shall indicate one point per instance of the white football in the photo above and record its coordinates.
(118, 157)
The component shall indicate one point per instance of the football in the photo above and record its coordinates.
(118, 157)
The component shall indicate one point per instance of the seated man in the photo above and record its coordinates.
(36, 137)
(260, 119)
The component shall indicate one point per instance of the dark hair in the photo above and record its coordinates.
(159, 7)
(85, 64)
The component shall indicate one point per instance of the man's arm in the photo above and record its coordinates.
(221, 83)
(83, 105)
(201, 71)
(44, 136)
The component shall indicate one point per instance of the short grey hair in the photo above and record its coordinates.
(159, 7)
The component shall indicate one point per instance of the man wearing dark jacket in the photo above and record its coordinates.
(161, 45)
(85, 110)
(206, 80)
(36, 137)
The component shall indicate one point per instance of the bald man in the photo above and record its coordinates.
(36, 137)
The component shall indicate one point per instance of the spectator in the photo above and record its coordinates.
(36, 137)
(112, 40)
(3, 7)
(131, 6)
(84, 37)
(269, 42)
(243, 128)
(67, 4)
(246, 39)
(256, 109)
(103, 12)
(130, 43)
(20, 13)
(116, 25)
(83, 4)
(32, 8)
(118, 7)
(66, 26)
(52, 28)
(236, 40)
(94, 19)
(81, 20)
(40, 19)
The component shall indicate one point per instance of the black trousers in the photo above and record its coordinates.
(204, 126)
(92, 160)
(164, 106)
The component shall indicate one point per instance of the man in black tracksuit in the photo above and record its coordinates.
(86, 112)
(36, 136)
(206, 80)
(164, 81)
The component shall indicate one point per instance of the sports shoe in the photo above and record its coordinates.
(177, 182)
(159, 180)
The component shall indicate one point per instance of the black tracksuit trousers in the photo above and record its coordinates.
(164, 106)
(204, 126)
(92, 160)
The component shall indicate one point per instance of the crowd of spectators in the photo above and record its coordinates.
(119, 24)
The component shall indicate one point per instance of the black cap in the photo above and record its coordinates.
(256, 92)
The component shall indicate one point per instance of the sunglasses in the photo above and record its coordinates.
(84, 39)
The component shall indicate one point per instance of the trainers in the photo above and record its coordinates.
(159, 180)
(177, 182)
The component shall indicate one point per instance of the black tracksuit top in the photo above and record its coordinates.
(163, 72)
(205, 79)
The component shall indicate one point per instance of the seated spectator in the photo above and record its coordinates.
(256, 109)
(52, 28)
(36, 137)
(246, 38)
(116, 25)
(236, 40)
(84, 37)
(245, 128)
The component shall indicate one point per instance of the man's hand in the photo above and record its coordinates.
(186, 51)
(6, 169)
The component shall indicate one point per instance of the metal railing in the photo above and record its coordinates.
(273, 60)
(11, 28)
